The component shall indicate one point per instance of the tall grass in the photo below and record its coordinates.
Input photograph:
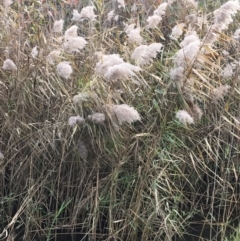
(98, 143)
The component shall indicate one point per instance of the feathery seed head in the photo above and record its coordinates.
(184, 117)
(177, 74)
(177, 31)
(75, 120)
(121, 4)
(222, 18)
(64, 69)
(228, 71)
(58, 26)
(76, 16)
(106, 61)
(153, 21)
(110, 15)
(219, 93)
(189, 39)
(122, 113)
(121, 71)
(71, 32)
(8, 64)
(7, 3)
(81, 97)
(74, 44)
(144, 54)
(188, 54)
(134, 36)
(160, 11)
(97, 118)
(86, 13)
(34, 52)
(116, 17)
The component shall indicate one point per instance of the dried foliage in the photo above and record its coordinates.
(119, 120)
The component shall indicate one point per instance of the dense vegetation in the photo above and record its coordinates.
(119, 120)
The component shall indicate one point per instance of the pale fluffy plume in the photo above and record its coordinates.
(58, 26)
(105, 61)
(144, 54)
(219, 92)
(228, 71)
(177, 31)
(153, 21)
(74, 44)
(160, 11)
(76, 16)
(86, 13)
(177, 74)
(133, 34)
(184, 117)
(80, 98)
(71, 32)
(189, 39)
(110, 15)
(123, 113)
(53, 57)
(188, 54)
(7, 3)
(223, 15)
(222, 18)
(190, 4)
(121, 3)
(8, 64)
(113, 68)
(75, 120)
(64, 70)
(97, 118)
(236, 35)
(129, 28)
(34, 52)
(225, 53)
(121, 71)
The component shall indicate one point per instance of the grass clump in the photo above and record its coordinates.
(118, 120)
